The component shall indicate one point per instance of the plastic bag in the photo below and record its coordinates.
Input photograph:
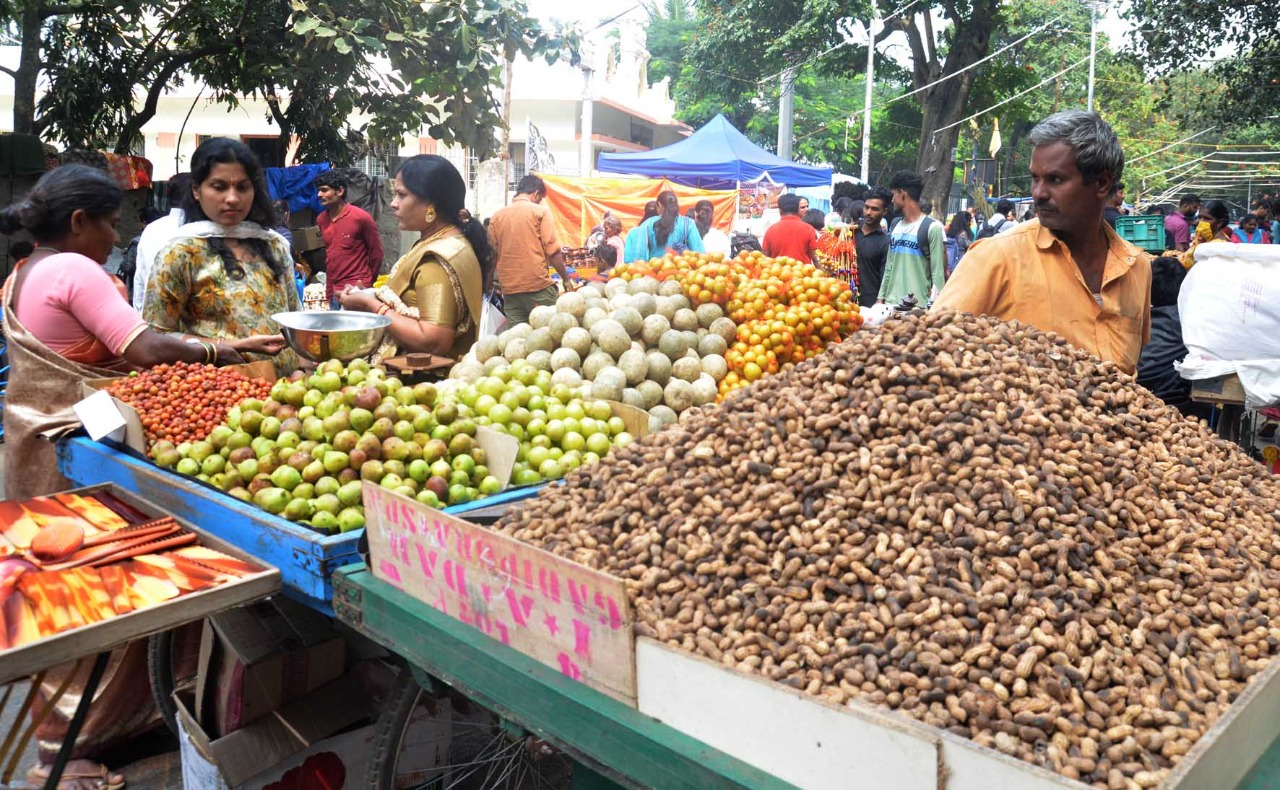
(1230, 311)
(492, 321)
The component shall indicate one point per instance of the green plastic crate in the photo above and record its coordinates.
(1146, 231)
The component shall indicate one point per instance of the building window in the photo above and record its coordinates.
(373, 166)
(516, 151)
(473, 170)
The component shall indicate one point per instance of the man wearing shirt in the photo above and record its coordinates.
(1065, 271)
(524, 241)
(790, 236)
(352, 247)
(157, 235)
(713, 239)
(1178, 224)
(872, 245)
(917, 246)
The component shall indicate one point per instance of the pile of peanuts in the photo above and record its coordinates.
(964, 520)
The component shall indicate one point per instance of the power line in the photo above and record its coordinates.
(1040, 84)
(1171, 145)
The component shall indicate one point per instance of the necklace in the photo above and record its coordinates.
(438, 234)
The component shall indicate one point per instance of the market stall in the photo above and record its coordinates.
(717, 156)
(943, 553)
(579, 204)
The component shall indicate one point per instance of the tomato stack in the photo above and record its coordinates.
(183, 402)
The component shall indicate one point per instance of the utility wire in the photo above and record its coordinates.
(946, 77)
(1171, 145)
(1040, 84)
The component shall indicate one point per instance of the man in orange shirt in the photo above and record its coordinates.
(524, 240)
(1066, 271)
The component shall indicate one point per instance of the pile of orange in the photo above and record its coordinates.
(786, 311)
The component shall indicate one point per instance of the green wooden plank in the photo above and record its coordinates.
(619, 741)
(1265, 773)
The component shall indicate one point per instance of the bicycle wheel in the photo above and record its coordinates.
(474, 752)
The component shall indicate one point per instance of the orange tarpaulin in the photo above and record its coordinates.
(579, 204)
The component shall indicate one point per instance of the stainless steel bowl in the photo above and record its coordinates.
(338, 334)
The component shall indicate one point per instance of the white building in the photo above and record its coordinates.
(627, 113)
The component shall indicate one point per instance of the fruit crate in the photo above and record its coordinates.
(306, 558)
(1145, 232)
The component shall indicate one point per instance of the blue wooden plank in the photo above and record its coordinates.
(306, 558)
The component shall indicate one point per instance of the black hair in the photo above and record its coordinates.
(222, 151)
(151, 214)
(959, 223)
(650, 210)
(908, 182)
(788, 204)
(46, 211)
(20, 249)
(662, 229)
(881, 194)
(1004, 206)
(530, 185)
(282, 208)
(1189, 198)
(607, 253)
(435, 180)
(842, 206)
(816, 218)
(179, 190)
(1167, 274)
(332, 179)
(1218, 210)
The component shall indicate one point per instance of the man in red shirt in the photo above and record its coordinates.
(352, 247)
(790, 236)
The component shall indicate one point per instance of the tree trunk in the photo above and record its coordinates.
(944, 104)
(24, 82)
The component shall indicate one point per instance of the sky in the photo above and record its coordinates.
(595, 11)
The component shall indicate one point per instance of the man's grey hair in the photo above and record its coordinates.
(1095, 143)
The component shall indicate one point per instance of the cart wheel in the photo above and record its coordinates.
(480, 752)
(160, 668)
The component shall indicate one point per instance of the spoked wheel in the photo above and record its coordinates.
(412, 748)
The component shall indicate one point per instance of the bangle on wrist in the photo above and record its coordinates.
(384, 309)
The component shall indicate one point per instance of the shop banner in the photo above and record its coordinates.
(579, 204)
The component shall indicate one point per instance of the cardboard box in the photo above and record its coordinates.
(308, 239)
(322, 740)
(133, 435)
(255, 660)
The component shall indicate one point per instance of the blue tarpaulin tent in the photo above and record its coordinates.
(717, 156)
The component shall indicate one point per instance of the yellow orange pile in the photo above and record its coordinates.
(786, 311)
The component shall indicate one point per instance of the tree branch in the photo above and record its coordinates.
(157, 88)
(929, 40)
(62, 10)
(10, 72)
(920, 60)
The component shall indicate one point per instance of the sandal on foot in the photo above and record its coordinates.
(79, 775)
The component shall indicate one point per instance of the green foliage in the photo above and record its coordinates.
(337, 74)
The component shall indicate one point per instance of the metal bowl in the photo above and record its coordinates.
(339, 334)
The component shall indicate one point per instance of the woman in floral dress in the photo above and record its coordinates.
(226, 273)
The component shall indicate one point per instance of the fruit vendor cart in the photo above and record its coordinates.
(642, 714)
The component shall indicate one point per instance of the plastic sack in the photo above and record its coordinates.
(1230, 311)
(492, 321)
(877, 314)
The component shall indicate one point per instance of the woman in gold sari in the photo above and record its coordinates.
(435, 292)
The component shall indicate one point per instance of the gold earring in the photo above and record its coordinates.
(431, 215)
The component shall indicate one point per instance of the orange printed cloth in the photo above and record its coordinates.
(578, 204)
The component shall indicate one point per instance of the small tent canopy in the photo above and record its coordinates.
(717, 156)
